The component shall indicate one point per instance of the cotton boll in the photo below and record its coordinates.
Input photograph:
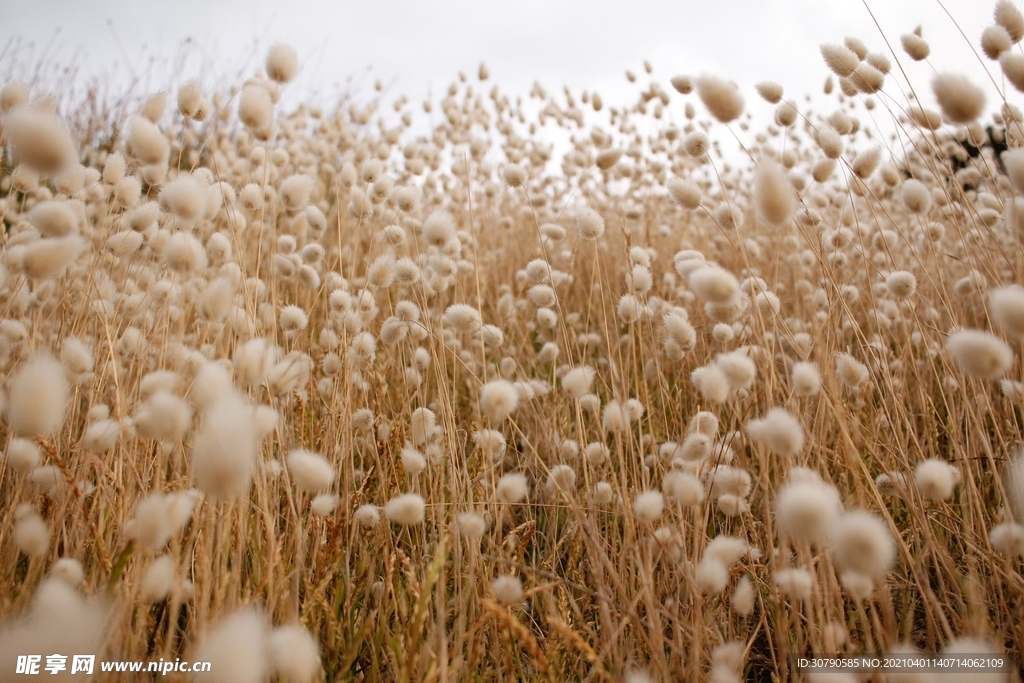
(367, 515)
(224, 449)
(861, 543)
(31, 534)
(37, 396)
(507, 589)
(936, 479)
(236, 648)
(778, 431)
(47, 258)
(158, 579)
(806, 511)
(406, 510)
(980, 354)
(498, 400)
(294, 654)
(648, 506)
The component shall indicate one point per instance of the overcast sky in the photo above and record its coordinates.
(419, 47)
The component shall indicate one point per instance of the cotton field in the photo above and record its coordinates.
(324, 393)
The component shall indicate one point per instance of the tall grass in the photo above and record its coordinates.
(311, 395)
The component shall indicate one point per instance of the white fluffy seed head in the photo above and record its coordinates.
(722, 98)
(256, 109)
(512, 488)
(48, 258)
(936, 479)
(806, 511)
(861, 543)
(648, 506)
(773, 193)
(31, 534)
(916, 196)
(55, 218)
(282, 62)
(507, 589)
(960, 100)
(224, 449)
(69, 570)
(158, 579)
(805, 378)
(471, 525)
(685, 193)
(498, 400)
(714, 284)
(840, 59)
(915, 46)
(1007, 307)
(310, 471)
(37, 396)
(578, 381)
(294, 654)
(238, 645)
(711, 576)
(683, 488)
(778, 431)
(850, 371)
(743, 596)
(1010, 18)
(901, 284)
(589, 224)
(980, 354)
(795, 584)
(146, 142)
(39, 139)
(367, 515)
(407, 509)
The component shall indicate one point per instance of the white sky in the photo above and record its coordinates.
(416, 46)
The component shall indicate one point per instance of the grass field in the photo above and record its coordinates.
(326, 393)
